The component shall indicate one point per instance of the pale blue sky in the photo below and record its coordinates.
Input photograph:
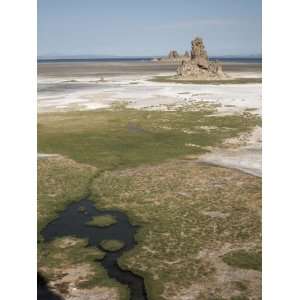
(153, 27)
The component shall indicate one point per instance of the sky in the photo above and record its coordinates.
(148, 27)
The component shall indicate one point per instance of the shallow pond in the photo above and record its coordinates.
(72, 222)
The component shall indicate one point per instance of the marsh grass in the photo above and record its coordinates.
(138, 171)
(82, 209)
(167, 200)
(102, 221)
(62, 254)
(240, 297)
(67, 251)
(61, 181)
(103, 138)
(112, 245)
(244, 259)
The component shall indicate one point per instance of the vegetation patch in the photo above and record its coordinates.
(122, 138)
(69, 260)
(243, 259)
(241, 297)
(67, 251)
(102, 221)
(82, 209)
(112, 245)
(176, 240)
(130, 159)
(60, 182)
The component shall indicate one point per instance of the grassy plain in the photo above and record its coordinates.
(200, 228)
(60, 182)
(192, 215)
(116, 139)
(243, 259)
(102, 221)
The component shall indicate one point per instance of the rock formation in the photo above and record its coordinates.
(173, 54)
(198, 67)
(187, 54)
(174, 57)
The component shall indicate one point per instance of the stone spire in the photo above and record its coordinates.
(186, 54)
(199, 66)
(173, 54)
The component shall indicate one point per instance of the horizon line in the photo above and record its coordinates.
(95, 56)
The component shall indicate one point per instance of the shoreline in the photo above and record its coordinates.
(86, 86)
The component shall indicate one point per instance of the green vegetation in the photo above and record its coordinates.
(241, 286)
(67, 251)
(241, 297)
(69, 258)
(82, 209)
(105, 139)
(112, 245)
(129, 159)
(243, 259)
(179, 245)
(215, 82)
(102, 221)
(60, 182)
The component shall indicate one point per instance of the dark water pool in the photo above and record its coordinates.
(72, 222)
